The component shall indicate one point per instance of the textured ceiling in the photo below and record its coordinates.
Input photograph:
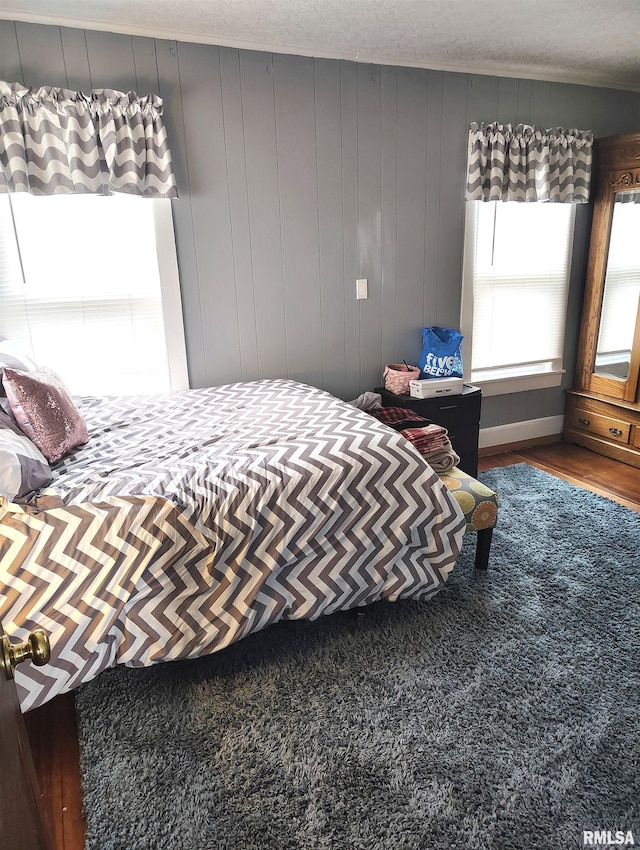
(583, 41)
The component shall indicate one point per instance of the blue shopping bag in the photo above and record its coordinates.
(441, 356)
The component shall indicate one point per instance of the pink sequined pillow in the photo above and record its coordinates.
(44, 410)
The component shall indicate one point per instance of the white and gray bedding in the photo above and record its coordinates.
(192, 519)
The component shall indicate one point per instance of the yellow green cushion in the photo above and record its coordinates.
(479, 502)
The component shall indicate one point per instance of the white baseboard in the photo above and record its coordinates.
(515, 432)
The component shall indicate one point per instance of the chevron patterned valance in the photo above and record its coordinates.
(56, 141)
(523, 163)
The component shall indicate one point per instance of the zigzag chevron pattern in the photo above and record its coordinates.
(523, 163)
(192, 519)
(55, 141)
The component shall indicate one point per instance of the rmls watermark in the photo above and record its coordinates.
(607, 838)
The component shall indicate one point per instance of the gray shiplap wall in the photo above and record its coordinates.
(299, 175)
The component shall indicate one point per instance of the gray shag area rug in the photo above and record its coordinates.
(503, 714)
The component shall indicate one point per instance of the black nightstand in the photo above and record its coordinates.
(459, 414)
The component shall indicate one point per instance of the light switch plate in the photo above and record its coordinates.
(361, 289)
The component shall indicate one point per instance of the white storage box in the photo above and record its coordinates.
(431, 387)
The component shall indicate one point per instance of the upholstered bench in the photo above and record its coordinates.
(480, 506)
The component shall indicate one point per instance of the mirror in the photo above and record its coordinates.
(621, 289)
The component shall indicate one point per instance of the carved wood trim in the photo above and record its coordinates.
(628, 179)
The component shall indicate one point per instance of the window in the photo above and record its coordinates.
(517, 263)
(89, 287)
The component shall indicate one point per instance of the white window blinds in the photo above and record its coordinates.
(80, 290)
(521, 268)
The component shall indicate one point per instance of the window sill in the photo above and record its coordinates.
(520, 384)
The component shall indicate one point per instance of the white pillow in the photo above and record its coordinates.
(23, 468)
(13, 357)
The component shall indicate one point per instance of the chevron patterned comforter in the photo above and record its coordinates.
(192, 519)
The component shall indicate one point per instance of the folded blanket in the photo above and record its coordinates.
(429, 439)
(444, 460)
(368, 400)
(398, 418)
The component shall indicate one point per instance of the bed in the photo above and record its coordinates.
(193, 519)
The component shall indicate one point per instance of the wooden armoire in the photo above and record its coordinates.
(603, 408)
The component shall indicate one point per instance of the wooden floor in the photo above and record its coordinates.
(52, 728)
(580, 466)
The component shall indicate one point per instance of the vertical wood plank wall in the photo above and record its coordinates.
(299, 175)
